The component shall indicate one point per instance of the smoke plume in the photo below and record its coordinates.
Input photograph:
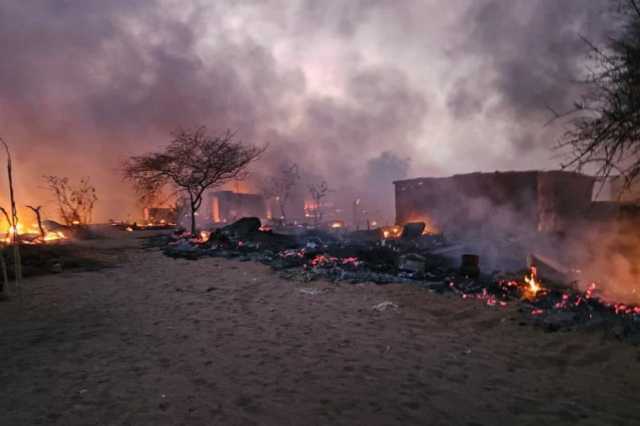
(349, 90)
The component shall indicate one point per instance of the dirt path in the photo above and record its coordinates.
(158, 341)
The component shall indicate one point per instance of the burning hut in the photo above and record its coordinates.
(228, 206)
(528, 201)
(156, 215)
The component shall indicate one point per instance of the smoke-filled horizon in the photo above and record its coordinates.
(358, 93)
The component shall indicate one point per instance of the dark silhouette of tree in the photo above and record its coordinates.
(38, 212)
(604, 130)
(192, 163)
(318, 192)
(282, 186)
(75, 203)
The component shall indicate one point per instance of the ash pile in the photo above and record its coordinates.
(355, 257)
(408, 255)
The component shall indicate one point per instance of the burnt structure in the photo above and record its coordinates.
(160, 215)
(228, 206)
(522, 202)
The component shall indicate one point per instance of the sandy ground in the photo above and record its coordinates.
(158, 341)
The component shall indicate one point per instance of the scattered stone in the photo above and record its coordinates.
(384, 306)
(310, 291)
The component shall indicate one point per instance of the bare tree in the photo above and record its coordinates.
(192, 163)
(75, 203)
(13, 221)
(318, 192)
(282, 186)
(37, 212)
(604, 125)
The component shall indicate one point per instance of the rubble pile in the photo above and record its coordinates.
(426, 261)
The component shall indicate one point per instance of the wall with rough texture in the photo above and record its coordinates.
(513, 202)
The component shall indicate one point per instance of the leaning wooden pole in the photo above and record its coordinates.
(15, 238)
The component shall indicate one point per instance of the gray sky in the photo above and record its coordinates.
(358, 92)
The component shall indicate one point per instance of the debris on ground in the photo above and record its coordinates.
(310, 291)
(432, 262)
(384, 306)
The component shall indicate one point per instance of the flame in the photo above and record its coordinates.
(33, 232)
(534, 286)
(204, 236)
(389, 232)
(53, 236)
(337, 225)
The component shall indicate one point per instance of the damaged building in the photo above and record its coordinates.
(154, 215)
(228, 206)
(520, 201)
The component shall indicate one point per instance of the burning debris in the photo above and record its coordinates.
(36, 235)
(410, 257)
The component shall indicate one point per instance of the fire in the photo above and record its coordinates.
(204, 236)
(337, 225)
(30, 235)
(389, 232)
(53, 236)
(310, 208)
(534, 286)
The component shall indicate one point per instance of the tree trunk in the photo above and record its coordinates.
(36, 210)
(193, 219)
(194, 206)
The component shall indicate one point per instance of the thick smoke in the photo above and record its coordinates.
(343, 88)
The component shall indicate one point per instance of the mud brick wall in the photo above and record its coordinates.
(478, 202)
(564, 199)
(230, 206)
